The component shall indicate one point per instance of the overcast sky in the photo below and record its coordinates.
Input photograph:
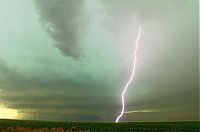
(67, 59)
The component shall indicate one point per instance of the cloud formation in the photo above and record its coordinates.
(63, 20)
(36, 79)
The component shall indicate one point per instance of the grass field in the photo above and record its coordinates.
(49, 126)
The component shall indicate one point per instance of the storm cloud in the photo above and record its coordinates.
(63, 20)
(66, 59)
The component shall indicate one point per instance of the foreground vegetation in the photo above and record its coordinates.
(49, 126)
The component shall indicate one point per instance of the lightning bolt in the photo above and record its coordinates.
(132, 75)
(142, 111)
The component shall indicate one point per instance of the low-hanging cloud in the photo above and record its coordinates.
(63, 21)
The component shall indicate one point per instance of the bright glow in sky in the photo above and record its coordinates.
(7, 113)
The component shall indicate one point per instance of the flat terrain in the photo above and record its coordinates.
(49, 126)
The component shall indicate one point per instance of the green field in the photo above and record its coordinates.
(10, 125)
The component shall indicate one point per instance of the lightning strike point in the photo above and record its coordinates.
(132, 75)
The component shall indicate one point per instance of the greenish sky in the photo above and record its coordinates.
(66, 59)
